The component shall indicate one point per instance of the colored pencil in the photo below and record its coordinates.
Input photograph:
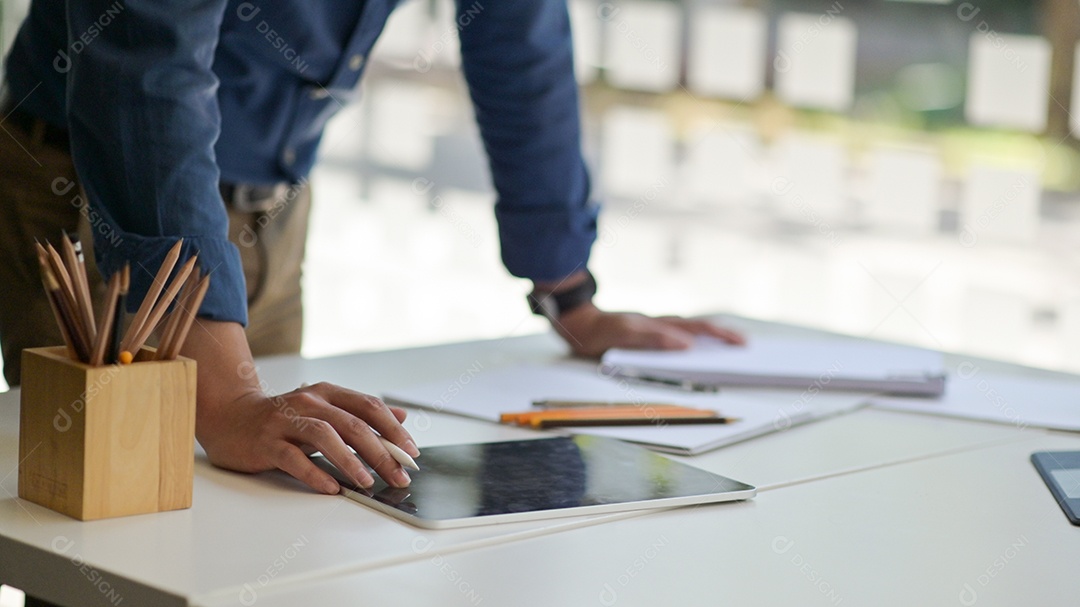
(147, 305)
(66, 293)
(108, 316)
(159, 308)
(65, 332)
(190, 310)
(101, 340)
(67, 316)
(118, 314)
(614, 416)
(172, 324)
(81, 282)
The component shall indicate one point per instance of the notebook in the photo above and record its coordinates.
(826, 363)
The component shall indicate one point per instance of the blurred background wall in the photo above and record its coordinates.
(896, 169)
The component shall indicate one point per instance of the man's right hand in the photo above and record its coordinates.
(243, 429)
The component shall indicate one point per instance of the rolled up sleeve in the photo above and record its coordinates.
(518, 62)
(143, 118)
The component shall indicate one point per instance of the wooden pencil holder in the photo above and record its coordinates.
(101, 442)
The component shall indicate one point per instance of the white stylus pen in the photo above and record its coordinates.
(402, 458)
(395, 451)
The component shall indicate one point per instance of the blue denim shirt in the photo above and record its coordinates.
(165, 98)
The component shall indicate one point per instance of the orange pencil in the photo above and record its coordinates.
(613, 412)
(612, 416)
(642, 421)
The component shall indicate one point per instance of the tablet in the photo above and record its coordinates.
(487, 483)
(1060, 471)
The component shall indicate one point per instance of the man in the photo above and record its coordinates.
(162, 109)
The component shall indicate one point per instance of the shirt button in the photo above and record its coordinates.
(288, 156)
(356, 62)
(319, 93)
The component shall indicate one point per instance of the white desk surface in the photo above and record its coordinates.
(268, 533)
(972, 528)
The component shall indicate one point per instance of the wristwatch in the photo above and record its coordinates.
(552, 305)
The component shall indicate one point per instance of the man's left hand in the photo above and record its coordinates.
(591, 331)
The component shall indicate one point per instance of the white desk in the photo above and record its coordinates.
(972, 528)
(266, 533)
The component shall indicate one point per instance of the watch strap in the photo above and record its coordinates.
(552, 305)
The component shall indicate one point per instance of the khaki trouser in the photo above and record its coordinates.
(271, 249)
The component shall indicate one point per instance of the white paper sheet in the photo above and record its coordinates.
(487, 394)
(1018, 401)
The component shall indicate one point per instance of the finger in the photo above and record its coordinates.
(348, 429)
(369, 446)
(399, 413)
(704, 327)
(373, 411)
(290, 459)
(322, 435)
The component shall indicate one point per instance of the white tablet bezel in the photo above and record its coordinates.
(534, 515)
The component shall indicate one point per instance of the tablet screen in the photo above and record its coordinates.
(1069, 479)
(460, 485)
